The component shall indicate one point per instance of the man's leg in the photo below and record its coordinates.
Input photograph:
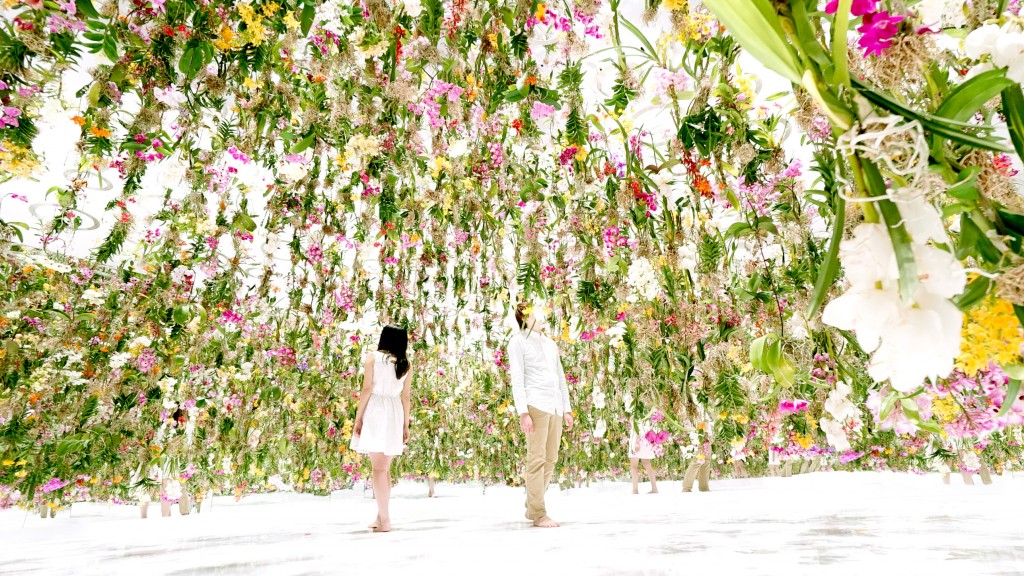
(554, 440)
(535, 460)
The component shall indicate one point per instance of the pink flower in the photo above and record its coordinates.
(859, 8)
(877, 32)
(541, 111)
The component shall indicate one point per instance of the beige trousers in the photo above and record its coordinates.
(541, 454)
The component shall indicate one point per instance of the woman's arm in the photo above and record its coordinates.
(364, 394)
(406, 393)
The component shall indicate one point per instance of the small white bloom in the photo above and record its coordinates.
(600, 428)
(981, 41)
(169, 96)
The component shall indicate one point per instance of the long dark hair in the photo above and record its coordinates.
(394, 341)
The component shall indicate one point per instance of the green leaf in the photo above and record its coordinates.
(643, 39)
(195, 58)
(901, 242)
(756, 26)
(303, 144)
(887, 405)
(965, 189)
(974, 293)
(840, 66)
(950, 129)
(306, 19)
(1013, 110)
(757, 352)
(963, 102)
(830, 267)
(86, 8)
(1012, 390)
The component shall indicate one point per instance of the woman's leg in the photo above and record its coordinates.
(430, 484)
(634, 472)
(650, 474)
(382, 489)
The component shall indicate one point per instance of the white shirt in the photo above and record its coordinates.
(538, 379)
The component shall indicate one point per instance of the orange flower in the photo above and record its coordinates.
(34, 398)
(78, 120)
(99, 132)
(542, 10)
(531, 80)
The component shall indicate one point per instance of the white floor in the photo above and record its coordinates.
(825, 523)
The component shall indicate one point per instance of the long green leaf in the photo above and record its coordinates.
(963, 102)
(1012, 389)
(841, 68)
(901, 242)
(756, 26)
(828, 270)
(1013, 109)
(643, 39)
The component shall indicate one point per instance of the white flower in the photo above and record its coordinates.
(93, 296)
(119, 359)
(167, 384)
(838, 404)
(292, 171)
(835, 434)
(169, 96)
(981, 41)
(172, 489)
(599, 398)
(458, 148)
(797, 326)
(615, 333)
(642, 277)
(13, 314)
(688, 256)
(922, 221)
(922, 344)
(600, 428)
(911, 341)
(413, 8)
(140, 342)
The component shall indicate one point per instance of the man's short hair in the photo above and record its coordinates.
(521, 314)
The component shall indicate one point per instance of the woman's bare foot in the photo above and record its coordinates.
(635, 491)
(653, 491)
(376, 522)
(383, 526)
(545, 522)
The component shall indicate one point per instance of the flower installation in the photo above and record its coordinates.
(829, 277)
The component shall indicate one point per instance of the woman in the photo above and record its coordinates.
(382, 420)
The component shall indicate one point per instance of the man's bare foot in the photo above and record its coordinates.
(545, 522)
(375, 523)
(385, 526)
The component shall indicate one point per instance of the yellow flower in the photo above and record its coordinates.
(21, 473)
(990, 334)
(683, 5)
(291, 22)
(226, 39)
(271, 9)
(8, 462)
(437, 165)
(249, 83)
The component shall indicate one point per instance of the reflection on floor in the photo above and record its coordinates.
(824, 523)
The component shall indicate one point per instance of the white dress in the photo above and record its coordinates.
(383, 418)
(639, 446)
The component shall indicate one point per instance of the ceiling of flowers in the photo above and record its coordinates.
(792, 226)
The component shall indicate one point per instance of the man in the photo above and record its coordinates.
(542, 401)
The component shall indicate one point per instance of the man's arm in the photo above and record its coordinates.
(562, 385)
(517, 369)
